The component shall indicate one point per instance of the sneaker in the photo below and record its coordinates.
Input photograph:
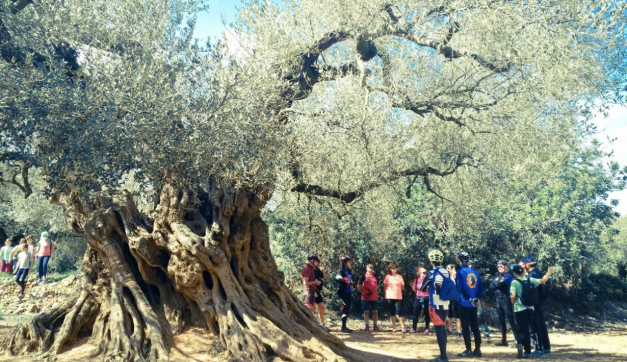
(367, 328)
(527, 356)
(466, 353)
(376, 328)
(403, 330)
(476, 353)
(537, 353)
(520, 350)
(547, 351)
(439, 359)
(21, 295)
(459, 334)
(427, 331)
(394, 330)
(501, 344)
(44, 279)
(38, 281)
(413, 331)
(346, 330)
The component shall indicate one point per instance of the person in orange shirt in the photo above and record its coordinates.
(394, 285)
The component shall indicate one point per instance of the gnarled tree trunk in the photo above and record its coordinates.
(203, 261)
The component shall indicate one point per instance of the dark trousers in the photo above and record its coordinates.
(539, 328)
(346, 306)
(505, 311)
(421, 307)
(20, 279)
(468, 316)
(42, 266)
(523, 321)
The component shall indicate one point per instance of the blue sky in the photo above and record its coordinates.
(614, 126)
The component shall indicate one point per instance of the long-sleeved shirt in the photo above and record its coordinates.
(500, 284)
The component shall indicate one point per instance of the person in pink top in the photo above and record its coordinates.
(394, 285)
(44, 252)
(421, 303)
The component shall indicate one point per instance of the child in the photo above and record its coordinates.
(23, 266)
(6, 257)
(14, 253)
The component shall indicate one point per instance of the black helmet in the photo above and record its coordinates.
(463, 256)
(313, 257)
(344, 259)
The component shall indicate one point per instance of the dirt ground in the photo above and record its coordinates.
(196, 345)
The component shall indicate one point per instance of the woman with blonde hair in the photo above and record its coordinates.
(394, 285)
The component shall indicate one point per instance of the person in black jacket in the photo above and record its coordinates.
(505, 311)
(344, 280)
(543, 344)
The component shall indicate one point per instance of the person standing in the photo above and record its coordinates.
(421, 302)
(23, 266)
(321, 276)
(7, 262)
(44, 252)
(368, 286)
(394, 285)
(344, 280)
(470, 290)
(539, 327)
(524, 309)
(310, 283)
(453, 311)
(483, 323)
(504, 308)
(438, 308)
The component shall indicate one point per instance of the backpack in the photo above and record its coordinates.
(448, 290)
(529, 295)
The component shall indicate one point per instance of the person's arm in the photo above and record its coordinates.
(512, 297)
(512, 293)
(414, 285)
(546, 276)
(339, 278)
(425, 283)
(13, 252)
(480, 289)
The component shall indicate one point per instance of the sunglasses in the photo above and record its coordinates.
(501, 266)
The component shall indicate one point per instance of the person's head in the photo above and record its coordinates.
(518, 271)
(421, 272)
(502, 266)
(370, 268)
(45, 235)
(436, 257)
(392, 269)
(313, 260)
(24, 247)
(346, 262)
(29, 239)
(452, 268)
(530, 263)
(7, 242)
(463, 257)
(471, 263)
(22, 241)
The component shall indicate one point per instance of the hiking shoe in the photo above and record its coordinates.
(21, 295)
(537, 353)
(527, 356)
(466, 353)
(501, 344)
(367, 328)
(345, 330)
(427, 331)
(376, 328)
(476, 353)
(547, 351)
(459, 334)
(413, 331)
(520, 350)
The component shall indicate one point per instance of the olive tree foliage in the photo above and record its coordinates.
(332, 100)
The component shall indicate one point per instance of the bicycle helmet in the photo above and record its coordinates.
(436, 256)
(463, 256)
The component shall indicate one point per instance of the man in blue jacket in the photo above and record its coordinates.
(543, 344)
(470, 293)
(504, 309)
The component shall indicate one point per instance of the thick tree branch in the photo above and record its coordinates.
(25, 186)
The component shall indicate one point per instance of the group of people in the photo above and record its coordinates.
(441, 295)
(20, 259)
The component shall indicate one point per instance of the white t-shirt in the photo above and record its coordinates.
(23, 260)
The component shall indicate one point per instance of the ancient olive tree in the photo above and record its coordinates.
(330, 99)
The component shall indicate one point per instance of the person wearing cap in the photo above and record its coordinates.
(45, 253)
(524, 313)
(540, 330)
(310, 283)
(470, 290)
(438, 308)
(504, 308)
(344, 280)
(368, 286)
(421, 302)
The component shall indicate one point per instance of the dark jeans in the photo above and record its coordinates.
(346, 303)
(539, 328)
(42, 266)
(20, 279)
(418, 307)
(468, 316)
(523, 321)
(505, 311)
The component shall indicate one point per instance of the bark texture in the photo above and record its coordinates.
(203, 261)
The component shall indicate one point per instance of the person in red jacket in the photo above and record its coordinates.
(368, 286)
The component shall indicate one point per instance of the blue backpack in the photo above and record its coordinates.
(448, 290)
